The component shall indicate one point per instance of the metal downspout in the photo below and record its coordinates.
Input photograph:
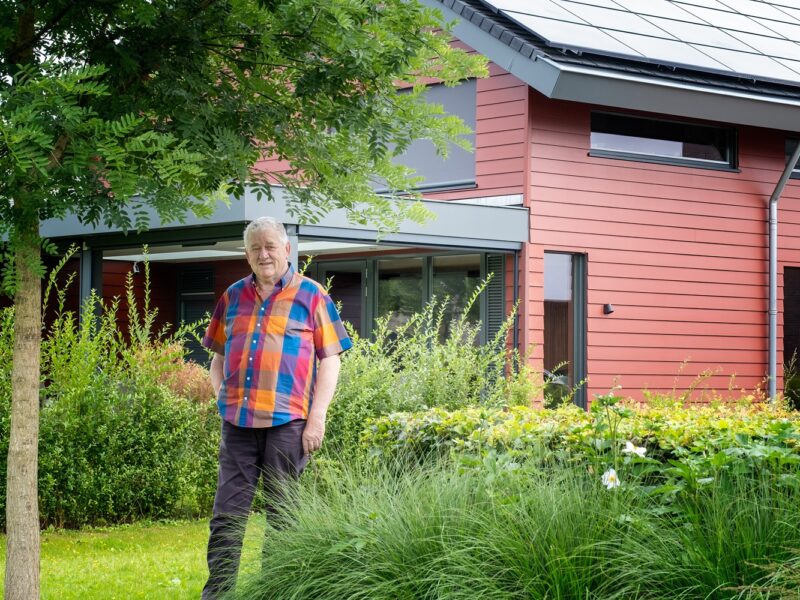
(773, 272)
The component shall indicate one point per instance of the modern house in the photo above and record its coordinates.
(630, 186)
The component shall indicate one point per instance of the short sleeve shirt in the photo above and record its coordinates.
(271, 346)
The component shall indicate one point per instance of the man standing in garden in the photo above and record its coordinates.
(267, 333)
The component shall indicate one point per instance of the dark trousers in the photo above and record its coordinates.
(245, 454)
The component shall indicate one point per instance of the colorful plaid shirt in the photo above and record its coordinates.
(270, 348)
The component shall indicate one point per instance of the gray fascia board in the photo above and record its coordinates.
(71, 227)
(619, 90)
(408, 239)
(483, 226)
(453, 223)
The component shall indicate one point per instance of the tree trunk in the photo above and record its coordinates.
(22, 501)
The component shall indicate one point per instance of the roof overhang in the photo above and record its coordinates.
(454, 225)
(624, 90)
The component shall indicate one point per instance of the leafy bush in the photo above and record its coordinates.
(107, 458)
(666, 432)
(414, 368)
(116, 444)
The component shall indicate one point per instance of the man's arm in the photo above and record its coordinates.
(216, 371)
(327, 376)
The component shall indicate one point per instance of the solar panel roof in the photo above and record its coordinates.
(751, 39)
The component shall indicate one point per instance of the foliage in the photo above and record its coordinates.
(115, 443)
(791, 382)
(416, 367)
(109, 108)
(568, 433)
(513, 530)
(186, 378)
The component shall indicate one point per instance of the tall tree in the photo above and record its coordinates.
(108, 107)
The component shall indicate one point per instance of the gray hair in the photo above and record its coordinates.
(262, 223)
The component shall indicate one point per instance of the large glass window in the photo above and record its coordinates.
(458, 169)
(456, 277)
(565, 325)
(558, 315)
(400, 289)
(638, 138)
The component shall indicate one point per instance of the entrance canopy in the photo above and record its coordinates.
(455, 225)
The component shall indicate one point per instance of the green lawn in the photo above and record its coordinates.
(135, 561)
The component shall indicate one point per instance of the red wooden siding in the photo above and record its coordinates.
(680, 252)
(500, 130)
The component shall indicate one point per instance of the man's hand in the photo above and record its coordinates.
(217, 372)
(313, 434)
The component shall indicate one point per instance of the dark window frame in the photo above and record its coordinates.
(788, 149)
(729, 135)
(578, 315)
(490, 321)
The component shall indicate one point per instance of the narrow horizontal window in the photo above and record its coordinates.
(637, 138)
(790, 146)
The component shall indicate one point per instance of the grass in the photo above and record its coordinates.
(512, 532)
(151, 560)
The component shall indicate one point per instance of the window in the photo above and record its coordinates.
(670, 142)
(790, 146)
(400, 291)
(456, 278)
(565, 322)
(399, 286)
(458, 170)
(195, 299)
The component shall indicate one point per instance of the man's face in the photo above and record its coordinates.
(267, 255)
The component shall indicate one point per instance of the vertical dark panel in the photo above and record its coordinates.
(196, 298)
(495, 295)
(791, 312)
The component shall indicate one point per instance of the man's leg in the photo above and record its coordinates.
(283, 459)
(239, 470)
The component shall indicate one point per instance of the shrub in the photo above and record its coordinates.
(666, 432)
(116, 444)
(186, 378)
(109, 457)
(414, 368)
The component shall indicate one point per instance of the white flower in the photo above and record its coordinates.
(610, 479)
(631, 449)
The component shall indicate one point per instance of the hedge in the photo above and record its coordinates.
(666, 432)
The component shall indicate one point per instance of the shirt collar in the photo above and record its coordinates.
(283, 282)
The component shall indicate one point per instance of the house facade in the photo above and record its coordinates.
(626, 158)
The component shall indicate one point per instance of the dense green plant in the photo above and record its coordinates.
(666, 431)
(510, 529)
(415, 367)
(107, 458)
(115, 444)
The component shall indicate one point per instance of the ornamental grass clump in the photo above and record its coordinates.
(508, 529)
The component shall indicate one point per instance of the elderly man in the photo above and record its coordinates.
(267, 333)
